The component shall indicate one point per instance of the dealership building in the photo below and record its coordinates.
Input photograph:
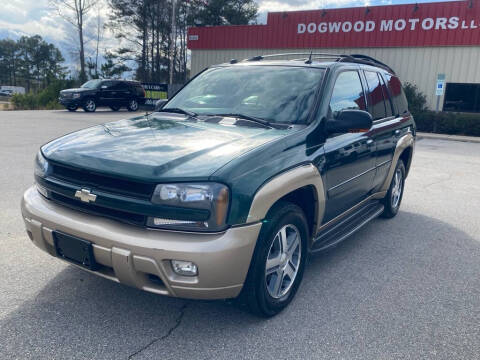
(435, 46)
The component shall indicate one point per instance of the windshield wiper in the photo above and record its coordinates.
(179, 111)
(247, 117)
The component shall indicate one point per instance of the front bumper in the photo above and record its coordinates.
(141, 257)
(69, 102)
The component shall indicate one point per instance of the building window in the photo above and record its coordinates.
(462, 97)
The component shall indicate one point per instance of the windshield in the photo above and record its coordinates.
(282, 94)
(91, 84)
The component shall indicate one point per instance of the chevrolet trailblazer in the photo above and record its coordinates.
(227, 189)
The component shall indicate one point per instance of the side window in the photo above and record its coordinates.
(119, 86)
(397, 94)
(347, 93)
(376, 96)
(108, 85)
(386, 94)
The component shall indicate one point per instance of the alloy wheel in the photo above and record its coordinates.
(283, 261)
(133, 105)
(397, 188)
(90, 105)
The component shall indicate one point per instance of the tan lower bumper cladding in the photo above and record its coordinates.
(141, 257)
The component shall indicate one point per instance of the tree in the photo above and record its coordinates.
(417, 101)
(75, 12)
(9, 58)
(223, 12)
(145, 27)
(30, 60)
(111, 69)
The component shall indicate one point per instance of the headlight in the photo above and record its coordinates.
(76, 96)
(212, 197)
(41, 165)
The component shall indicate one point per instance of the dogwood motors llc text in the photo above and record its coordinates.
(439, 23)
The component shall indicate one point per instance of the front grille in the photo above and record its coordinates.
(66, 95)
(107, 183)
(135, 219)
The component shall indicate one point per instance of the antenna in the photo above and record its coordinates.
(309, 61)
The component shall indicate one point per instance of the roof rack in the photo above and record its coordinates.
(317, 55)
(354, 58)
(368, 60)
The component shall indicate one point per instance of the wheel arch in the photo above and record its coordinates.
(405, 147)
(406, 156)
(297, 186)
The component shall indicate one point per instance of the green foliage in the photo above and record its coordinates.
(30, 62)
(111, 69)
(441, 122)
(448, 123)
(417, 101)
(223, 12)
(145, 28)
(45, 99)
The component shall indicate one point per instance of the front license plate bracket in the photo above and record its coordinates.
(75, 250)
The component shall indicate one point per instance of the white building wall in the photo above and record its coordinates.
(417, 65)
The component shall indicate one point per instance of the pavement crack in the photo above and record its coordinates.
(178, 321)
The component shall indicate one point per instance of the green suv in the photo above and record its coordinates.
(226, 190)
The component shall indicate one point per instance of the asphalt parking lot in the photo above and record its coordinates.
(406, 288)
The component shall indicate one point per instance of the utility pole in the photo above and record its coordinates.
(173, 38)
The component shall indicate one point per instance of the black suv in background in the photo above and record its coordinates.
(111, 93)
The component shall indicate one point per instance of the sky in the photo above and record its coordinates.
(30, 17)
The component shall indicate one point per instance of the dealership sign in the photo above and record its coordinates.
(429, 24)
(441, 23)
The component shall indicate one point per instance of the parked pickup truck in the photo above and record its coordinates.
(225, 190)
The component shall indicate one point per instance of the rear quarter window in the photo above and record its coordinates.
(397, 94)
(137, 89)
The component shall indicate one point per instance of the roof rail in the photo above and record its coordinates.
(355, 58)
(368, 60)
(308, 54)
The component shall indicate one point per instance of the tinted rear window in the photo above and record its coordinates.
(397, 94)
(376, 96)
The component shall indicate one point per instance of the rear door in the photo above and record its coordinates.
(106, 93)
(122, 92)
(385, 127)
(350, 157)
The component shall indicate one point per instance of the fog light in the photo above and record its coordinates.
(185, 268)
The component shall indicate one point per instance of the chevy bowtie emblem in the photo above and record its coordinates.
(85, 195)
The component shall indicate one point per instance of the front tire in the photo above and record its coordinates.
(72, 108)
(394, 196)
(132, 105)
(89, 105)
(278, 262)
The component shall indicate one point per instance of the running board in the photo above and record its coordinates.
(341, 230)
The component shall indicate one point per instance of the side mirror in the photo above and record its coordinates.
(349, 121)
(159, 104)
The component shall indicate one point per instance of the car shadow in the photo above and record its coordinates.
(383, 287)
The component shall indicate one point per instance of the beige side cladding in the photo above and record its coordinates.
(416, 65)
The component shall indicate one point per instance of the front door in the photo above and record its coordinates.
(350, 157)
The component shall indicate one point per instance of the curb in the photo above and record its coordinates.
(472, 139)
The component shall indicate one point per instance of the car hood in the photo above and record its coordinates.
(76, 90)
(160, 146)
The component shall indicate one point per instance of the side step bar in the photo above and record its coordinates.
(341, 230)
